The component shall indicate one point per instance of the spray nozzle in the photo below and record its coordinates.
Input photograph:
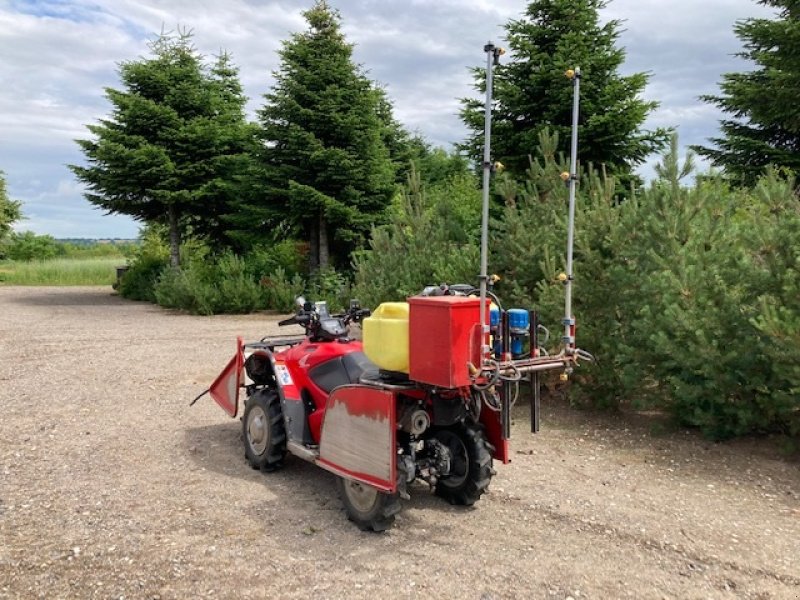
(498, 52)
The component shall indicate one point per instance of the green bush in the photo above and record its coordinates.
(206, 287)
(703, 320)
(145, 266)
(280, 290)
(238, 291)
(226, 283)
(29, 246)
(431, 238)
(328, 285)
(184, 288)
(288, 255)
(139, 280)
(771, 230)
(530, 231)
(692, 334)
(529, 252)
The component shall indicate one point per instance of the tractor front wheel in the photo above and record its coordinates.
(367, 507)
(264, 432)
(470, 464)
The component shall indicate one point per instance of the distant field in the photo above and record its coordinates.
(60, 271)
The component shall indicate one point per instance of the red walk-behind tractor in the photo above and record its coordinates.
(426, 395)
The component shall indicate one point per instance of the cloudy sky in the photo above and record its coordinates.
(58, 55)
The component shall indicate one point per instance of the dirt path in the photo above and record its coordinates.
(110, 486)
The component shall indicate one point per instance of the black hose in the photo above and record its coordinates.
(495, 378)
(492, 295)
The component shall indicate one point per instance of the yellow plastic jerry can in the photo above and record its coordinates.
(385, 336)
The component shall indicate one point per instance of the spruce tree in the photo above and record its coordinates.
(532, 93)
(763, 127)
(167, 151)
(324, 129)
(232, 159)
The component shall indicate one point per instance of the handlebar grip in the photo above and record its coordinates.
(296, 320)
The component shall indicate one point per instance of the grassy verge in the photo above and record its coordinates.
(60, 271)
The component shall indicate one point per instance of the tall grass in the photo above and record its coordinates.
(60, 271)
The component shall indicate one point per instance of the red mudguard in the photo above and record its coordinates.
(358, 436)
(225, 389)
(494, 435)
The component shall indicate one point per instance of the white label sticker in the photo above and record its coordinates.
(283, 375)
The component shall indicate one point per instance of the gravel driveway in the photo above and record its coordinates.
(111, 487)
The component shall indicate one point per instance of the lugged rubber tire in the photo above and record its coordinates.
(368, 508)
(471, 464)
(264, 431)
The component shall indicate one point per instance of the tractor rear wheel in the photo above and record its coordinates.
(264, 432)
(367, 507)
(470, 464)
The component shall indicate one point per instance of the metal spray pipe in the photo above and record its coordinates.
(569, 320)
(492, 58)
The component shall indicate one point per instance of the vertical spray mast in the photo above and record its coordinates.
(572, 179)
(493, 54)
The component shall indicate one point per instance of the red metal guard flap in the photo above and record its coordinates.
(494, 434)
(225, 389)
(358, 436)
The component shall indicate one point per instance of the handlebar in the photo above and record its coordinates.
(304, 318)
(296, 320)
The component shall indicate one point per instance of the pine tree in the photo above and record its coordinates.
(532, 93)
(773, 276)
(324, 130)
(166, 153)
(764, 124)
(429, 239)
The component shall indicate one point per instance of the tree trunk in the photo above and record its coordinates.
(313, 247)
(324, 248)
(174, 238)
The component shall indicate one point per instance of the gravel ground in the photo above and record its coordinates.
(111, 487)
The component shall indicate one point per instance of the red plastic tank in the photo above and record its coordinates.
(444, 337)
